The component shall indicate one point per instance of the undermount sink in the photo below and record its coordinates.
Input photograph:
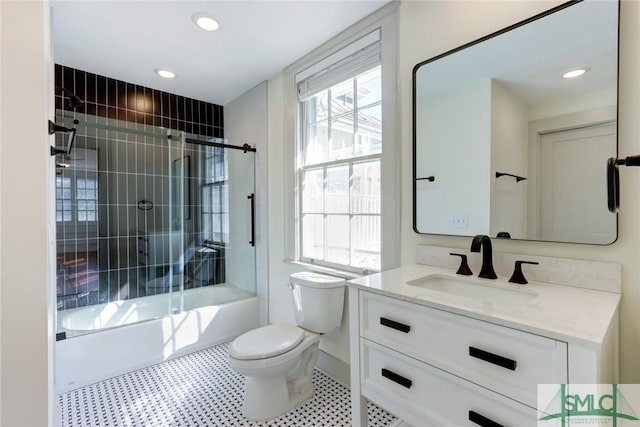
(476, 289)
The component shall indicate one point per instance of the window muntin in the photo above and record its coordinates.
(340, 177)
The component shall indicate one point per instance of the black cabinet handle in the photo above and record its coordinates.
(481, 420)
(404, 382)
(395, 325)
(492, 358)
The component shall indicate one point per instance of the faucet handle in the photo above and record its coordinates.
(464, 266)
(518, 276)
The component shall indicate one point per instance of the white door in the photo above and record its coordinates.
(573, 198)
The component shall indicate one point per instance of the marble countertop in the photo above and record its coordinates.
(571, 314)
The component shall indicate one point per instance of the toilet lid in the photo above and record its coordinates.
(268, 341)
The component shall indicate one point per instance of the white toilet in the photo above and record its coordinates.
(278, 360)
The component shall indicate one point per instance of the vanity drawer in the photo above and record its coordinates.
(502, 359)
(429, 396)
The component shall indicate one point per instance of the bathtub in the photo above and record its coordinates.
(110, 339)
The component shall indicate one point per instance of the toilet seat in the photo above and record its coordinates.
(265, 342)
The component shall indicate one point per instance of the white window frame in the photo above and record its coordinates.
(349, 162)
(385, 21)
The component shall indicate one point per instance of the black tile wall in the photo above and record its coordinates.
(115, 99)
(101, 263)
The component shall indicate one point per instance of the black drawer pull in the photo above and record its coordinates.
(395, 325)
(492, 358)
(481, 420)
(404, 382)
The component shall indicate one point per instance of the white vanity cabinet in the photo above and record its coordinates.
(433, 367)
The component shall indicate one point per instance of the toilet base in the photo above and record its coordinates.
(265, 399)
(274, 388)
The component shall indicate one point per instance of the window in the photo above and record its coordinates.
(76, 199)
(340, 164)
(87, 198)
(215, 209)
(63, 199)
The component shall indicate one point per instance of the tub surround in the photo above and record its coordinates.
(408, 338)
(95, 318)
(93, 357)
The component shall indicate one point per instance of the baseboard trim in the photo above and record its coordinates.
(335, 368)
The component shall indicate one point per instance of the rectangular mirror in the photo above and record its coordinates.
(504, 145)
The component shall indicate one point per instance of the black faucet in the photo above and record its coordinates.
(487, 255)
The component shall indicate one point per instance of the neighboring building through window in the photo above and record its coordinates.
(339, 168)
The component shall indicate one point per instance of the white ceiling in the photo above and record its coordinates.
(127, 40)
(530, 60)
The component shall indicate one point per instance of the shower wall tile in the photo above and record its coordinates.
(130, 168)
(116, 99)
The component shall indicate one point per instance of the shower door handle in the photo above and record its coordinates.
(251, 197)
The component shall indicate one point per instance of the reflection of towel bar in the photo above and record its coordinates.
(518, 178)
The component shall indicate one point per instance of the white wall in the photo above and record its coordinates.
(26, 190)
(245, 121)
(508, 155)
(441, 26)
(459, 158)
(583, 102)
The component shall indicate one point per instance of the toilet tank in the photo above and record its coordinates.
(318, 301)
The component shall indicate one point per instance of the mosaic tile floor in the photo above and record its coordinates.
(199, 389)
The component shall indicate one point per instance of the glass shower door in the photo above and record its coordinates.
(115, 232)
(218, 225)
(143, 218)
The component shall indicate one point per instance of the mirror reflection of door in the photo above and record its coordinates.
(572, 187)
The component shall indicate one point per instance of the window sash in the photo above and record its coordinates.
(80, 203)
(357, 148)
(214, 220)
(326, 214)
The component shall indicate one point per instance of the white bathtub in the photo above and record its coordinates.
(110, 339)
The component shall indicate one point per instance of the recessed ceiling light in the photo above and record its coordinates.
(205, 21)
(574, 73)
(165, 73)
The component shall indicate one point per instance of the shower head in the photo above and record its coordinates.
(55, 128)
(74, 101)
